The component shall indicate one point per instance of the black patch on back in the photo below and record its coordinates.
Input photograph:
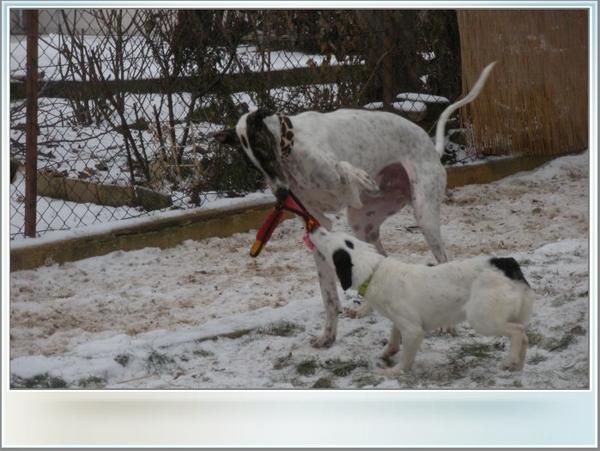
(431, 264)
(343, 267)
(510, 268)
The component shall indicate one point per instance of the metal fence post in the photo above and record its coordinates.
(31, 125)
(388, 62)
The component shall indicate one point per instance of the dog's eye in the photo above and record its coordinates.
(350, 244)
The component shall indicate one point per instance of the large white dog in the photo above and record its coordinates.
(372, 163)
(491, 293)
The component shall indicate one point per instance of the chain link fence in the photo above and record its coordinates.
(127, 98)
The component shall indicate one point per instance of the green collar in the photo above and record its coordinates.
(363, 288)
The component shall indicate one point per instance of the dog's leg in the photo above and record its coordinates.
(518, 346)
(394, 344)
(411, 341)
(426, 201)
(327, 282)
(524, 345)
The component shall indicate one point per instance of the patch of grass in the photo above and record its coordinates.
(535, 338)
(122, 359)
(307, 367)
(554, 344)
(282, 361)
(343, 368)
(455, 368)
(578, 330)
(157, 361)
(282, 329)
(202, 353)
(38, 381)
(561, 300)
(232, 335)
(479, 350)
(536, 358)
(323, 382)
(482, 379)
(92, 382)
(367, 379)
(237, 333)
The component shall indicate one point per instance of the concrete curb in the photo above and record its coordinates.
(168, 232)
(75, 190)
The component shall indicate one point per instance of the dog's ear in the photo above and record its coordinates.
(343, 267)
(227, 136)
(255, 119)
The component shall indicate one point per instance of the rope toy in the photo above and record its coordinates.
(293, 205)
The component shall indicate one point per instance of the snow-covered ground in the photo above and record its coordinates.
(205, 315)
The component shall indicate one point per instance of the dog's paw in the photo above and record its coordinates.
(358, 313)
(324, 341)
(447, 330)
(391, 373)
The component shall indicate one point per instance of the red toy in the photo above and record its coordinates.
(292, 204)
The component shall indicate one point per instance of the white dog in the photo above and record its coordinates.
(372, 163)
(491, 293)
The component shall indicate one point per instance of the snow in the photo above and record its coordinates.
(427, 98)
(408, 106)
(205, 315)
(405, 106)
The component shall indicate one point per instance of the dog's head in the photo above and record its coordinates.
(256, 133)
(354, 260)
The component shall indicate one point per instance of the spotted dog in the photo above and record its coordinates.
(372, 163)
(490, 293)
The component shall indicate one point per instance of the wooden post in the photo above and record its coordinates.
(31, 124)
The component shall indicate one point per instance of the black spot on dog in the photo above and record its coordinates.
(510, 268)
(287, 122)
(289, 135)
(350, 244)
(343, 267)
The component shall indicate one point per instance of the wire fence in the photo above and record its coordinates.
(127, 98)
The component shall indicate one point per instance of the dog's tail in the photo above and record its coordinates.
(440, 129)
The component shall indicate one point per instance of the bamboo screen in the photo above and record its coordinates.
(536, 99)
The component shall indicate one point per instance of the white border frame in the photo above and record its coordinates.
(347, 418)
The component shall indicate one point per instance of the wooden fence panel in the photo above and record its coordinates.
(536, 100)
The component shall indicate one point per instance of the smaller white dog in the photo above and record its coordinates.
(491, 293)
